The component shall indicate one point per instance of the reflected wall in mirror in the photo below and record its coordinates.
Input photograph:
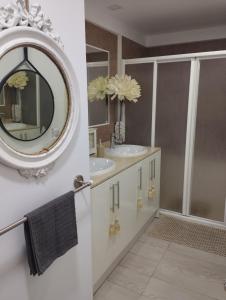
(34, 102)
(97, 65)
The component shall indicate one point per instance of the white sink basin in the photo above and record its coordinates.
(100, 166)
(126, 151)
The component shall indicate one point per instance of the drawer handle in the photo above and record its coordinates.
(118, 194)
(152, 169)
(141, 171)
(113, 198)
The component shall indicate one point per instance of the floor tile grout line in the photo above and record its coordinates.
(139, 272)
(129, 251)
(157, 267)
(136, 272)
(125, 288)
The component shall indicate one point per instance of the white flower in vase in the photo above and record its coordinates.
(97, 88)
(124, 88)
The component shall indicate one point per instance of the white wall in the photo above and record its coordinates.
(187, 36)
(70, 276)
(100, 16)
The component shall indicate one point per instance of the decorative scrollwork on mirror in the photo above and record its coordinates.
(13, 15)
(39, 94)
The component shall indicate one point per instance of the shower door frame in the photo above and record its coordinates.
(194, 59)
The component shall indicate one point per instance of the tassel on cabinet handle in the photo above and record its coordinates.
(112, 231)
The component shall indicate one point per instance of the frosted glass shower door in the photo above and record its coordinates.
(171, 126)
(139, 115)
(209, 165)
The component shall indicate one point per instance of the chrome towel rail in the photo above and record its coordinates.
(79, 184)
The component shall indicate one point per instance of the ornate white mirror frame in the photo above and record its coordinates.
(18, 27)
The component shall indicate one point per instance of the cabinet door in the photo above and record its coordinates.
(113, 200)
(102, 199)
(144, 183)
(126, 184)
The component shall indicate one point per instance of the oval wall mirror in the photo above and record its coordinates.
(39, 95)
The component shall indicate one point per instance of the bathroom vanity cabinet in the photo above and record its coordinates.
(131, 197)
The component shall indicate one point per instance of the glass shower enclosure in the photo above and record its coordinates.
(185, 96)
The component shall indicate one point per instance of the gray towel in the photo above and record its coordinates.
(50, 231)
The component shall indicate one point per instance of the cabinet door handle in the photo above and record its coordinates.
(150, 170)
(113, 198)
(118, 190)
(140, 170)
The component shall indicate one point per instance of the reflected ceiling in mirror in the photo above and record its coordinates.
(34, 102)
(97, 65)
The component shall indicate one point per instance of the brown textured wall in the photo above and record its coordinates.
(192, 47)
(101, 38)
(96, 56)
(131, 49)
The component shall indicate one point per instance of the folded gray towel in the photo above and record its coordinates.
(50, 231)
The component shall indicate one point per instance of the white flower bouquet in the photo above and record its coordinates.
(97, 89)
(124, 88)
(18, 80)
(120, 87)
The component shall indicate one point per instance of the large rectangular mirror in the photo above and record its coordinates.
(97, 65)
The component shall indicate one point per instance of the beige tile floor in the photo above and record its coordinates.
(158, 270)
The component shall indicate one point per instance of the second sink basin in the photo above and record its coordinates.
(126, 151)
(99, 166)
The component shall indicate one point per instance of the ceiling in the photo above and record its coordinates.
(150, 17)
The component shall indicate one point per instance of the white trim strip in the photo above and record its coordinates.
(178, 57)
(97, 64)
(119, 55)
(154, 103)
(193, 134)
(100, 49)
(190, 136)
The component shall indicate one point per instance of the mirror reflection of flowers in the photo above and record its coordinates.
(19, 80)
(124, 88)
(97, 88)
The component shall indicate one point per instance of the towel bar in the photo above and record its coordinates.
(79, 185)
